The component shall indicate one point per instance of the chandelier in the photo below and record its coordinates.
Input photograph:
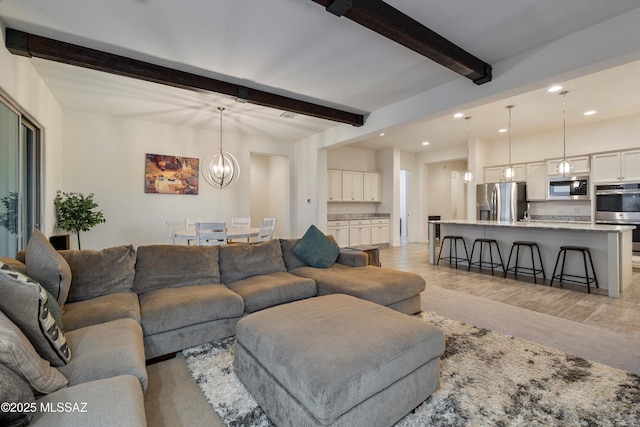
(468, 176)
(221, 169)
(565, 167)
(509, 173)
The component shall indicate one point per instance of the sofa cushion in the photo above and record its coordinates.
(96, 273)
(169, 266)
(48, 267)
(14, 389)
(242, 260)
(383, 286)
(17, 353)
(173, 308)
(106, 350)
(267, 290)
(316, 249)
(116, 401)
(291, 260)
(27, 304)
(100, 310)
(15, 264)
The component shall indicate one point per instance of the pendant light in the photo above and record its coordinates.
(221, 168)
(565, 167)
(509, 173)
(468, 176)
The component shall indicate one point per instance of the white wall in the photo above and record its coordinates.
(270, 191)
(105, 155)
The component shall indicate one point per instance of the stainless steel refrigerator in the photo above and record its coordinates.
(501, 201)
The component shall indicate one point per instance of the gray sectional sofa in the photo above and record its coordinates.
(125, 305)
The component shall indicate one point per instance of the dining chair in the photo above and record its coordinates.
(172, 238)
(190, 223)
(211, 233)
(267, 227)
(240, 222)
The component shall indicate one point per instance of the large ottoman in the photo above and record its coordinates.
(337, 360)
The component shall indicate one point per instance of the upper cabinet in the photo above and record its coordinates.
(581, 166)
(537, 181)
(616, 166)
(494, 174)
(353, 186)
(334, 185)
(372, 184)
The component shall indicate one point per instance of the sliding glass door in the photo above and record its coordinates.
(20, 181)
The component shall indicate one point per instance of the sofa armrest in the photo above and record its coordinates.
(353, 258)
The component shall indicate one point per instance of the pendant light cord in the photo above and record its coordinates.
(564, 125)
(509, 107)
(221, 109)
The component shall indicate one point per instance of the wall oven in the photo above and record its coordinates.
(619, 203)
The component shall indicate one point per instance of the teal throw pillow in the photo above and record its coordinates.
(316, 249)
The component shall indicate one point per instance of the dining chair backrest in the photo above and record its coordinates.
(190, 223)
(237, 222)
(172, 238)
(211, 233)
(267, 227)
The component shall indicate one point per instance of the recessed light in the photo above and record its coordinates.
(555, 88)
(590, 112)
(502, 130)
(382, 134)
(458, 115)
(425, 143)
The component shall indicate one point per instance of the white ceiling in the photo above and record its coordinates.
(296, 48)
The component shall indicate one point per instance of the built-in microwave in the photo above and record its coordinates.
(568, 188)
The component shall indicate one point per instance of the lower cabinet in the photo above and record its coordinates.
(340, 231)
(379, 231)
(359, 232)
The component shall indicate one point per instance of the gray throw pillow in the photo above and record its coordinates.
(97, 273)
(26, 304)
(14, 389)
(17, 353)
(316, 249)
(48, 267)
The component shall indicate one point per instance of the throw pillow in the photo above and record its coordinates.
(48, 267)
(17, 353)
(14, 389)
(316, 249)
(26, 304)
(97, 273)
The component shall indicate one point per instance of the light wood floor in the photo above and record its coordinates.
(572, 302)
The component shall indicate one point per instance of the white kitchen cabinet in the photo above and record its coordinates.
(581, 166)
(334, 185)
(494, 173)
(372, 184)
(379, 231)
(359, 232)
(352, 186)
(536, 181)
(340, 231)
(616, 166)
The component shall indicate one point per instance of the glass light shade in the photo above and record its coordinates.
(221, 169)
(509, 173)
(565, 167)
(468, 176)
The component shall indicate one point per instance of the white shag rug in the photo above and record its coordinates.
(486, 379)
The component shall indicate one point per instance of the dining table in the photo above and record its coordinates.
(232, 234)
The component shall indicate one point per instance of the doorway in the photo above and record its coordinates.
(458, 210)
(270, 191)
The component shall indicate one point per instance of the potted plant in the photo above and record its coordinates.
(76, 212)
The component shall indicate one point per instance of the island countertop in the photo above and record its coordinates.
(546, 225)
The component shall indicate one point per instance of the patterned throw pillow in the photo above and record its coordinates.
(48, 267)
(26, 304)
(316, 249)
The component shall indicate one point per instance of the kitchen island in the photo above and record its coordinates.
(610, 245)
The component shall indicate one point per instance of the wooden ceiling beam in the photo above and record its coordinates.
(30, 45)
(395, 25)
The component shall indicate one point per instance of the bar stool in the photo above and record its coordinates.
(490, 263)
(528, 270)
(453, 244)
(586, 280)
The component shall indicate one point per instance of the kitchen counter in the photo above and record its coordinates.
(356, 216)
(610, 245)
